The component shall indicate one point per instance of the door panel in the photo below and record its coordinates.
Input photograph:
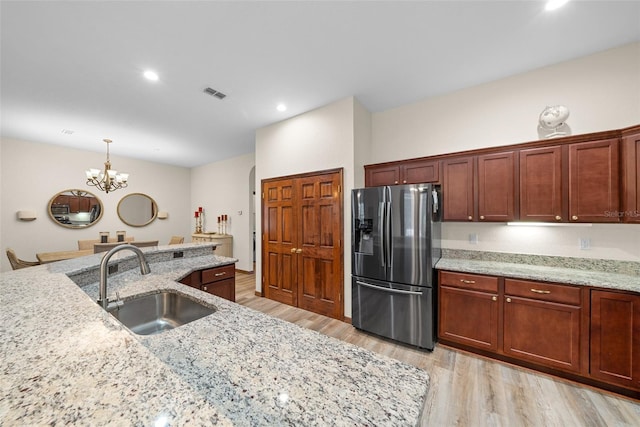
(321, 257)
(280, 235)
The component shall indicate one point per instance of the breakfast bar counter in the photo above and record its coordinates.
(66, 360)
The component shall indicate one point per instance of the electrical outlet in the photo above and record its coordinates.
(112, 269)
(585, 243)
(178, 254)
(473, 239)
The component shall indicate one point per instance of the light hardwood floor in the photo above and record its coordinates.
(468, 390)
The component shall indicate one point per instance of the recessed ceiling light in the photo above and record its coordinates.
(281, 107)
(151, 75)
(555, 4)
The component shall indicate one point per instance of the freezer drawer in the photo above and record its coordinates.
(401, 312)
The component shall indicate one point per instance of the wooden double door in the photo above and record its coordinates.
(302, 255)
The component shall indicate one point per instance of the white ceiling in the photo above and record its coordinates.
(72, 65)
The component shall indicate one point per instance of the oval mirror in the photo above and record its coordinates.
(75, 208)
(137, 209)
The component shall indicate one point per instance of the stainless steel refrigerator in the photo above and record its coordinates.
(395, 244)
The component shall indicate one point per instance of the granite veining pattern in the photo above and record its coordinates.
(621, 275)
(66, 361)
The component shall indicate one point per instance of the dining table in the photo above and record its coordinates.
(47, 257)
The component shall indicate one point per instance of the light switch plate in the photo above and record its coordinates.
(585, 243)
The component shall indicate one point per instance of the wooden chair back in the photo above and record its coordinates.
(176, 240)
(17, 263)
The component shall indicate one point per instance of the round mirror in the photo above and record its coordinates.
(137, 209)
(75, 208)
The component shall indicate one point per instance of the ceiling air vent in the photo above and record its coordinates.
(215, 93)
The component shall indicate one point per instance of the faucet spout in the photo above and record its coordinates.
(103, 299)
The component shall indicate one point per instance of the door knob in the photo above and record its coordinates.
(298, 251)
(293, 250)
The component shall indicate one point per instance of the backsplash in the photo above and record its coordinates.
(602, 265)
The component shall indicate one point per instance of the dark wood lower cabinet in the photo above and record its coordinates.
(582, 333)
(615, 338)
(219, 281)
(540, 326)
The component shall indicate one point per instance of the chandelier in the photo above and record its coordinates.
(107, 180)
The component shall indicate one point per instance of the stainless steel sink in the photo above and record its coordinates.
(155, 313)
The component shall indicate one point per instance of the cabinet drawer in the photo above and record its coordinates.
(469, 281)
(543, 291)
(223, 288)
(218, 273)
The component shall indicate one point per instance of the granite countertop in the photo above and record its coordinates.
(65, 360)
(597, 273)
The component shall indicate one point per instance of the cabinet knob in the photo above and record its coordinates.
(204, 288)
(575, 217)
(470, 218)
(494, 298)
(404, 182)
(481, 216)
(395, 182)
(508, 299)
(558, 218)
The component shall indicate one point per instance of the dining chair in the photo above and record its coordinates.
(176, 240)
(17, 263)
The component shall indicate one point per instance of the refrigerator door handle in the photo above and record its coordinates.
(382, 214)
(387, 226)
(393, 291)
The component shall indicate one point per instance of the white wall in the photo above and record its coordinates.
(317, 140)
(602, 92)
(225, 188)
(32, 173)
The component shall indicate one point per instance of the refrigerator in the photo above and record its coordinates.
(395, 244)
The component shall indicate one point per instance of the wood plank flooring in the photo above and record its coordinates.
(468, 390)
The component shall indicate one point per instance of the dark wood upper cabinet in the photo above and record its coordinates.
(631, 177)
(457, 189)
(594, 181)
(375, 176)
(541, 189)
(406, 172)
(496, 187)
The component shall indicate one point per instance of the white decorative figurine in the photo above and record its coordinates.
(552, 122)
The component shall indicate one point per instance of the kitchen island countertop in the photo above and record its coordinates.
(65, 360)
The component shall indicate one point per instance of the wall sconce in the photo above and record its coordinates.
(26, 215)
(163, 214)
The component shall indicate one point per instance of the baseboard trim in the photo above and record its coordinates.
(244, 271)
(258, 294)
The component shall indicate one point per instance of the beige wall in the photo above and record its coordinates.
(225, 188)
(602, 92)
(32, 173)
(317, 140)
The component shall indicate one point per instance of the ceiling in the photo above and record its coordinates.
(71, 71)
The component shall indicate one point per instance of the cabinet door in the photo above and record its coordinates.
(222, 288)
(496, 187)
(376, 176)
(541, 184)
(419, 171)
(615, 338)
(468, 317)
(593, 181)
(457, 189)
(74, 204)
(542, 332)
(631, 178)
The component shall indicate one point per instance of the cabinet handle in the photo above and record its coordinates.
(508, 299)
(575, 217)
(470, 218)
(293, 250)
(538, 291)
(481, 216)
(298, 251)
(468, 282)
(558, 218)
(220, 274)
(494, 298)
